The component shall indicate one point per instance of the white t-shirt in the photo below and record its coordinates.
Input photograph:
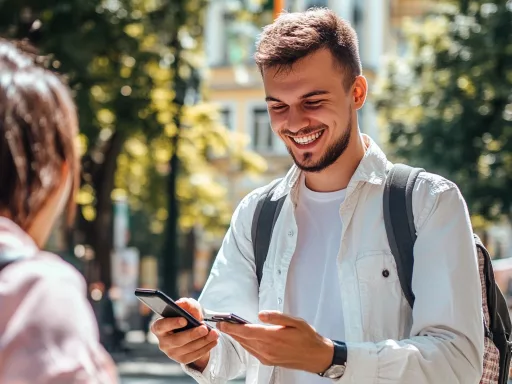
(312, 287)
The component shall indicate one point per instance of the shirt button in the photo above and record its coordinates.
(279, 300)
(278, 271)
(291, 233)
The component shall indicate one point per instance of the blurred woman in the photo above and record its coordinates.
(48, 332)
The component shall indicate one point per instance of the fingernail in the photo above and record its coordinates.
(264, 314)
(183, 322)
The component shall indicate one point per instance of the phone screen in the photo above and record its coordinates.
(160, 306)
(164, 306)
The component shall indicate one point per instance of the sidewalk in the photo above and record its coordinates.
(146, 364)
(145, 359)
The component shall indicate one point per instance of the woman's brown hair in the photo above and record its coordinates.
(38, 130)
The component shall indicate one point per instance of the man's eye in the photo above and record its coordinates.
(277, 107)
(313, 103)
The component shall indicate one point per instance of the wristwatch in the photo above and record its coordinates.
(339, 361)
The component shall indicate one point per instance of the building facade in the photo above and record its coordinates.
(235, 85)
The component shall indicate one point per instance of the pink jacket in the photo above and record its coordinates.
(48, 332)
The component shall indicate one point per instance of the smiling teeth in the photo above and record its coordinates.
(307, 139)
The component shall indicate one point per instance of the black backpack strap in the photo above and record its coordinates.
(265, 216)
(399, 222)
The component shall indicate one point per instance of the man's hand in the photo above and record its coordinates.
(288, 342)
(187, 347)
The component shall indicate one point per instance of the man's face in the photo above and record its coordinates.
(310, 110)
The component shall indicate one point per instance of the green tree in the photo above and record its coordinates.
(201, 190)
(93, 43)
(192, 134)
(447, 104)
(130, 83)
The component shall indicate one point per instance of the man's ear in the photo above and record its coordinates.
(359, 91)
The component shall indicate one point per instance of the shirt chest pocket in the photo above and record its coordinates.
(382, 302)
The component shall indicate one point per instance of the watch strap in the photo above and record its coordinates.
(340, 354)
(339, 361)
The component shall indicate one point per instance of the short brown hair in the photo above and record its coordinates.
(38, 128)
(293, 36)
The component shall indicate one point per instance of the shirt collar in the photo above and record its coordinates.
(372, 169)
(15, 241)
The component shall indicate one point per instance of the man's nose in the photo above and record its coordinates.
(297, 120)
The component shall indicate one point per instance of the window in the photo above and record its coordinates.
(262, 136)
(357, 24)
(225, 116)
(239, 40)
(317, 3)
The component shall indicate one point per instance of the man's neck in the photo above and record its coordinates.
(337, 176)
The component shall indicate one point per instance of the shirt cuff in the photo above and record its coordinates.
(205, 377)
(362, 363)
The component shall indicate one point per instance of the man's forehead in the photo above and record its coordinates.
(315, 71)
(300, 85)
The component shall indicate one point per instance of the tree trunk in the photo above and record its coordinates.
(189, 249)
(102, 229)
(98, 233)
(170, 257)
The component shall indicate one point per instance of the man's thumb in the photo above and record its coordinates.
(191, 306)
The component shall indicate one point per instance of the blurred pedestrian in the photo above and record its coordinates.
(48, 333)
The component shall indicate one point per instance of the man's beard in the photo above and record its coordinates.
(332, 153)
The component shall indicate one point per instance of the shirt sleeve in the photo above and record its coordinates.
(447, 337)
(233, 271)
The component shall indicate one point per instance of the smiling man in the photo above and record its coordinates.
(329, 305)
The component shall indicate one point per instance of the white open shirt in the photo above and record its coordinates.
(440, 341)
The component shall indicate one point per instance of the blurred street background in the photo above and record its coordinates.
(175, 130)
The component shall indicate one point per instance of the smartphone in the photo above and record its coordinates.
(164, 306)
(217, 317)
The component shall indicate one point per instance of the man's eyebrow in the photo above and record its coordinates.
(314, 93)
(305, 96)
(270, 98)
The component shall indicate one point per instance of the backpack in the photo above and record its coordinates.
(401, 233)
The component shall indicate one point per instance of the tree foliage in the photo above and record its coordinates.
(118, 58)
(106, 65)
(447, 104)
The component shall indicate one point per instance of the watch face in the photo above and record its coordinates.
(335, 371)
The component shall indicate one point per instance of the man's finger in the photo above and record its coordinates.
(191, 357)
(183, 338)
(248, 347)
(191, 306)
(278, 318)
(165, 325)
(193, 346)
(246, 331)
(253, 350)
(247, 344)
